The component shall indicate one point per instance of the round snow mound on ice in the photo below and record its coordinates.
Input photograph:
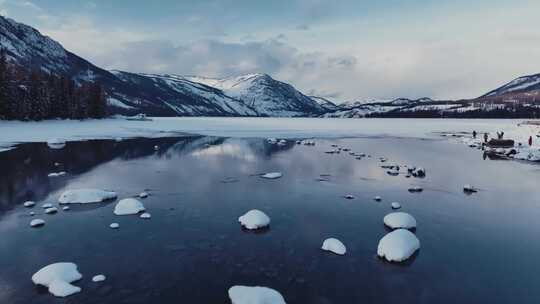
(334, 245)
(128, 206)
(397, 220)
(255, 295)
(398, 245)
(57, 277)
(272, 175)
(37, 223)
(85, 196)
(254, 219)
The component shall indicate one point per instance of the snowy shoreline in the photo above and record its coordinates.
(16, 132)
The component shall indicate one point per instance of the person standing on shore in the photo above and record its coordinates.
(485, 137)
(474, 134)
(530, 141)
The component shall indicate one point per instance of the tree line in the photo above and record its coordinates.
(37, 95)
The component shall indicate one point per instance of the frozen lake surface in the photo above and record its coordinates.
(477, 248)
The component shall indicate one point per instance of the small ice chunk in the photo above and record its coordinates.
(397, 220)
(86, 196)
(156, 148)
(29, 204)
(57, 277)
(469, 189)
(334, 245)
(143, 195)
(56, 143)
(272, 175)
(65, 208)
(37, 223)
(99, 278)
(255, 295)
(349, 196)
(57, 174)
(377, 198)
(145, 215)
(32, 213)
(114, 226)
(46, 205)
(398, 245)
(51, 210)
(254, 219)
(396, 205)
(128, 206)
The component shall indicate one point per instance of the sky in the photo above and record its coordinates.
(343, 50)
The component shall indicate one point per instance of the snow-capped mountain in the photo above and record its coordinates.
(266, 95)
(160, 95)
(518, 85)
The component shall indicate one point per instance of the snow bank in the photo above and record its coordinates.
(528, 154)
(398, 245)
(254, 219)
(397, 220)
(255, 295)
(272, 175)
(334, 245)
(86, 196)
(37, 223)
(128, 206)
(57, 277)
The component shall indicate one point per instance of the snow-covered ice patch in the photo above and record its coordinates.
(65, 208)
(29, 204)
(86, 196)
(254, 219)
(114, 225)
(398, 245)
(37, 223)
(51, 210)
(334, 245)
(99, 278)
(272, 175)
(255, 295)
(528, 154)
(128, 206)
(397, 220)
(145, 215)
(57, 277)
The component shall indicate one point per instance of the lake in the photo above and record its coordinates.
(478, 248)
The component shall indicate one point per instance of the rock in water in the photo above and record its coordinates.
(255, 295)
(128, 206)
(85, 196)
(254, 219)
(334, 245)
(397, 220)
(469, 189)
(396, 205)
(398, 245)
(57, 277)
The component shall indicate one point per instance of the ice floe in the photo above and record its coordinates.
(114, 226)
(255, 295)
(57, 277)
(32, 213)
(145, 215)
(334, 245)
(398, 245)
(398, 220)
(51, 210)
(349, 196)
(37, 223)
(86, 196)
(65, 208)
(47, 205)
(99, 278)
(272, 175)
(143, 195)
(128, 206)
(29, 204)
(377, 198)
(57, 174)
(396, 205)
(56, 143)
(254, 219)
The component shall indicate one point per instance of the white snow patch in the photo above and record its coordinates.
(114, 226)
(57, 277)
(145, 215)
(397, 220)
(37, 223)
(272, 175)
(254, 219)
(398, 245)
(29, 204)
(86, 196)
(334, 245)
(51, 210)
(255, 295)
(99, 278)
(128, 206)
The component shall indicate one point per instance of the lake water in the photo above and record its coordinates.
(479, 248)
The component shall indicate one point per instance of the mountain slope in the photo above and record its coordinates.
(325, 103)
(266, 95)
(518, 85)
